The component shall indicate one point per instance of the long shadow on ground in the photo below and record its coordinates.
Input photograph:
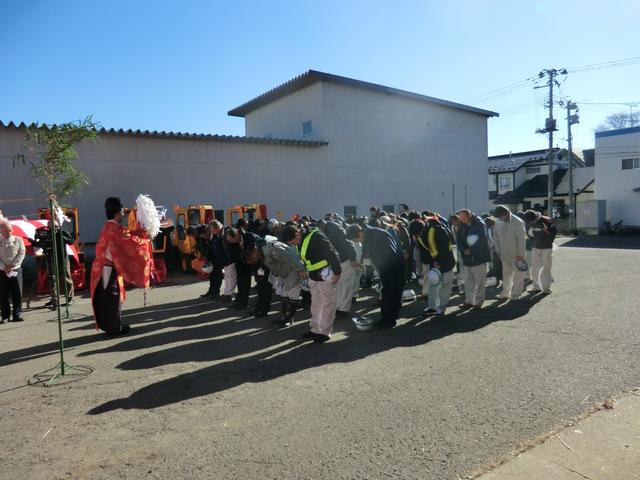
(630, 242)
(285, 356)
(144, 320)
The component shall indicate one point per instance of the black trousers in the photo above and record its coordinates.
(265, 291)
(215, 281)
(408, 268)
(243, 273)
(10, 289)
(393, 279)
(106, 305)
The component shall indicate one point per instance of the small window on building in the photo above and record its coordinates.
(629, 163)
(505, 183)
(493, 183)
(389, 208)
(533, 170)
(350, 210)
(307, 128)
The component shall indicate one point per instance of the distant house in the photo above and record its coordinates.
(617, 167)
(519, 180)
(589, 157)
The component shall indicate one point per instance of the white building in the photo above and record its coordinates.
(518, 179)
(617, 166)
(315, 144)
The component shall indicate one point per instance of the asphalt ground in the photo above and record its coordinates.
(197, 391)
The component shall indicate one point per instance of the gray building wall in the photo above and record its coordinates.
(386, 149)
(383, 150)
(172, 172)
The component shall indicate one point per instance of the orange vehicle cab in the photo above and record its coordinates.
(189, 260)
(248, 212)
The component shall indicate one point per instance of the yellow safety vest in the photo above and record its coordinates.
(432, 248)
(311, 267)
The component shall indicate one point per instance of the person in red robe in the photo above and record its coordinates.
(121, 256)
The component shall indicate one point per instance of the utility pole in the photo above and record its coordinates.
(571, 120)
(550, 127)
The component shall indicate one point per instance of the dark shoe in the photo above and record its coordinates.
(225, 298)
(17, 318)
(260, 314)
(214, 297)
(465, 306)
(310, 335)
(206, 294)
(50, 303)
(321, 338)
(53, 307)
(70, 302)
(342, 314)
(428, 312)
(124, 328)
(2, 320)
(385, 325)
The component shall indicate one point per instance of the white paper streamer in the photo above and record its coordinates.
(148, 217)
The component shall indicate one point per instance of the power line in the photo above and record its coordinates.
(501, 91)
(603, 65)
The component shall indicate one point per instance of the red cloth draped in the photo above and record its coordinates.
(130, 254)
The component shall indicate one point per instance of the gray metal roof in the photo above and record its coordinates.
(312, 76)
(512, 162)
(193, 136)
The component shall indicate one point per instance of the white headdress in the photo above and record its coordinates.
(148, 215)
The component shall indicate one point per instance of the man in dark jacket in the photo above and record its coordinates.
(323, 265)
(542, 230)
(347, 254)
(431, 235)
(212, 255)
(236, 241)
(388, 259)
(43, 239)
(473, 244)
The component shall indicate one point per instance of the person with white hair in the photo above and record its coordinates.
(12, 254)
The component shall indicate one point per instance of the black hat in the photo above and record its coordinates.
(113, 203)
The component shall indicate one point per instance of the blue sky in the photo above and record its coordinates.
(181, 65)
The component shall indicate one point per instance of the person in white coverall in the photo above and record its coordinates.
(509, 242)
